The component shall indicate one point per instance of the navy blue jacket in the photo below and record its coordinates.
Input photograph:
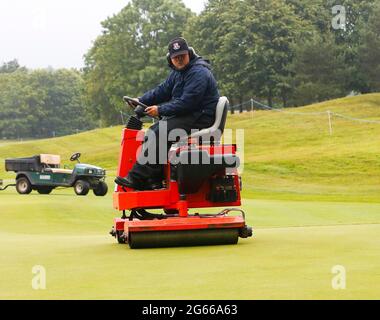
(190, 90)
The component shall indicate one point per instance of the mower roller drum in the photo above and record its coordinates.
(183, 238)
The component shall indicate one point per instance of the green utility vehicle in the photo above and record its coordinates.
(43, 173)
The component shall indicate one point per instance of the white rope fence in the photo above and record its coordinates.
(254, 103)
(354, 119)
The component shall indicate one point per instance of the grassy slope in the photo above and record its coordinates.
(294, 156)
(286, 156)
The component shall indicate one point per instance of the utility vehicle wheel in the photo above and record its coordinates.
(101, 189)
(81, 188)
(23, 186)
(44, 190)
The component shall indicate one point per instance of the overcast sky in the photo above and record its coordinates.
(56, 33)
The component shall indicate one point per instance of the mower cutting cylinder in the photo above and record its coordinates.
(182, 238)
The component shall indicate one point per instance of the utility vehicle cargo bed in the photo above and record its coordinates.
(23, 164)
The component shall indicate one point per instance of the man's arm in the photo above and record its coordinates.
(196, 83)
(160, 94)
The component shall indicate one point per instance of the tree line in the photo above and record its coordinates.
(282, 52)
(41, 103)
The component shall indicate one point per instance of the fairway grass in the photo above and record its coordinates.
(296, 244)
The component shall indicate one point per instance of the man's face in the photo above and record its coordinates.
(181, 61)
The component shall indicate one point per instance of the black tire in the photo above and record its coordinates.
(101, 189)
(120, 238)
(44, 190)
(171, 211)
(23, 185)
(81, 187)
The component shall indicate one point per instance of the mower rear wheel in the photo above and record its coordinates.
(81, 187)
(44, 190)
(23, 186)
(101, 189)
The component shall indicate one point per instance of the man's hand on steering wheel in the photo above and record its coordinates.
(152, 111)
(142, 110)
(132, 105)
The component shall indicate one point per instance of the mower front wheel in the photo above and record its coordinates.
(120, 236)
(23, 185)
(101, 189)
(81, 187)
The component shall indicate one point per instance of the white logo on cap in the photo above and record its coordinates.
(176, 46)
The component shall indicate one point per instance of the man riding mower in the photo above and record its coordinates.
(198, 173)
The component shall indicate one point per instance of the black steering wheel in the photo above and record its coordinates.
(75, 156)
(138, 106)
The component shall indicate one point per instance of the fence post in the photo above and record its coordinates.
(330, 122)
(252, 104)
(122, 117)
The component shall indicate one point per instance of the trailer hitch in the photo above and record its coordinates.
(7, 186)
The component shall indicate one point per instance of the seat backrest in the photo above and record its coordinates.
(222, 111)
(50, 159)
(220, 120)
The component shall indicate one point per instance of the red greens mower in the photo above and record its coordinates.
(213, 181)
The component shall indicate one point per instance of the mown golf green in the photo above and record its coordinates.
(313, 199)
